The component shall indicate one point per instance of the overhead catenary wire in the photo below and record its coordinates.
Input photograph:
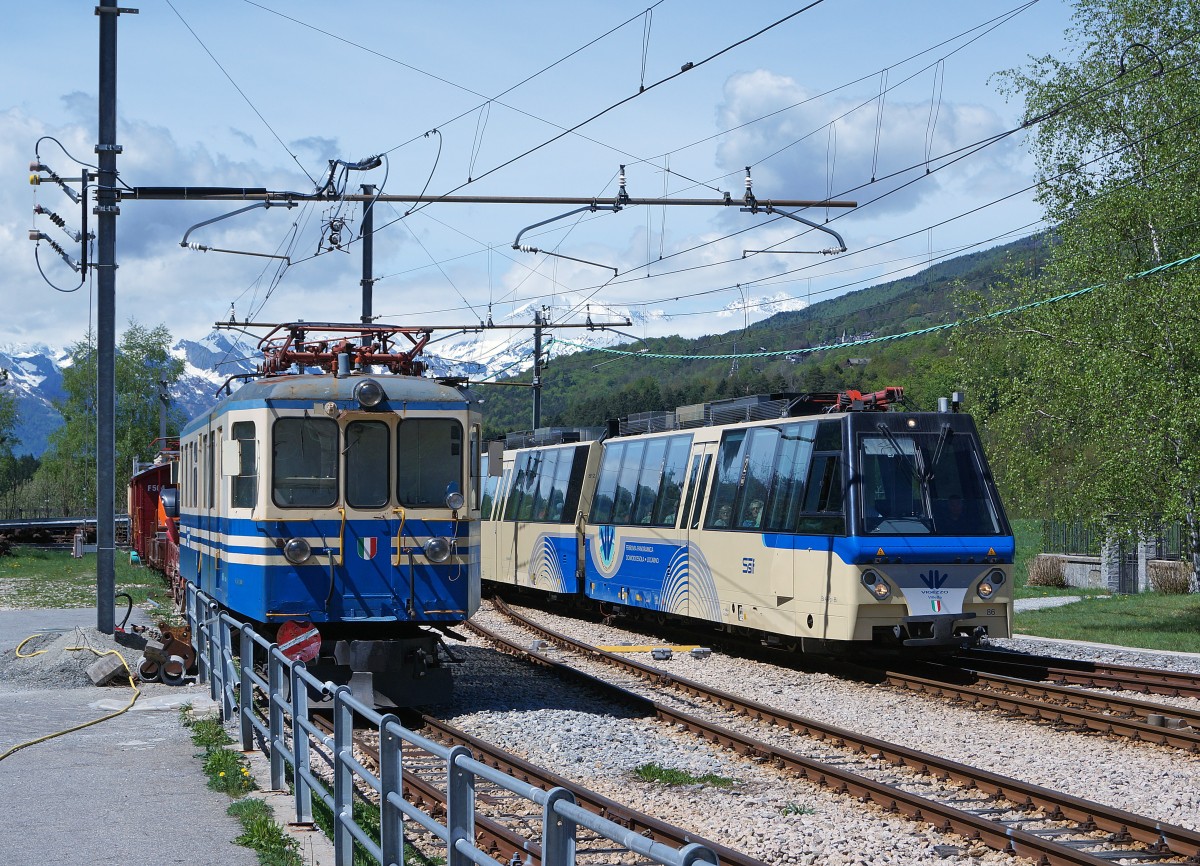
(945, 161)
(691, 65)
(1158, 269)
(241, 92)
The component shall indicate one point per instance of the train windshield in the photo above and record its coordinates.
(925, 484)
(429, 460)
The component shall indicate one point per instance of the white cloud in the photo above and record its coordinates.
(827, 145)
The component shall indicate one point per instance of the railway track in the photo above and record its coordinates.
(1096, 675)
(1003, 813)
(506, 824)
(1143, 721)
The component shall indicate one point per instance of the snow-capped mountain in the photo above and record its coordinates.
(35, 371)
(35, 380)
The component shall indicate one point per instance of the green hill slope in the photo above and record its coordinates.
(589, 387)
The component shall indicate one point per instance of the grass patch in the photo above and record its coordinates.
(262, 835)
(32, 578)
(228, 771)
(1149, 619)
(671, 776)
(797, 809)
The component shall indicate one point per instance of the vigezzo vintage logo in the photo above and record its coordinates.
(608, 546)
(934, 578)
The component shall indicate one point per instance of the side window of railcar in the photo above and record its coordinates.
(245, 482)
(543, 487)
(524, 486)
(476, 467)
(780, 478)
(209, 466)
(606, 483)
(368, 464)
(429, 460)
(666, 509)
(304, 462)
(730, 469)
(649, 479)
(640, 481)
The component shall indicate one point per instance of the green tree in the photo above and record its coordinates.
(1090, 397)
(143, 359)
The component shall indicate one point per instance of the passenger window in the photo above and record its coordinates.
(730, 468)
(245, 482)
(627, 480)
(606, 483)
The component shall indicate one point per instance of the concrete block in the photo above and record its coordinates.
(106, 669)
(155, 651)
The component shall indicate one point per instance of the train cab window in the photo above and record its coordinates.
(429, 460)
(245, 482)
(367, 464)
(959, 496)
(304, 462)
(893, 497)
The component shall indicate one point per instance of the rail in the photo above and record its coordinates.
(288, 732)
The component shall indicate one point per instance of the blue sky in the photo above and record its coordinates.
(232, 93)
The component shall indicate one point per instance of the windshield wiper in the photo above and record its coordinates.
(909, 461)
(937, 451)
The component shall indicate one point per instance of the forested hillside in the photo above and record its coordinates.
(589, 387)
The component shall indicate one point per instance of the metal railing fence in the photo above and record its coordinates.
(288, 734)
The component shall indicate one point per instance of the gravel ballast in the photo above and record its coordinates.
(781, 820)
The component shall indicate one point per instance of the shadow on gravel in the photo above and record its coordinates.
(489, 680)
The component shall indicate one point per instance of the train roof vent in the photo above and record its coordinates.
(648, 422)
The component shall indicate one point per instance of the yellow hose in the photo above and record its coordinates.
(133, 699)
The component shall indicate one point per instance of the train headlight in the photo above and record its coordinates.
(454, 500)
(368, 393)
(297, 551)
(877, 585)
(438, 549)
(990, 584)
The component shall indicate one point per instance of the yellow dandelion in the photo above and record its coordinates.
(222, 774)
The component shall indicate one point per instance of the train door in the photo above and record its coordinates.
(703, 600)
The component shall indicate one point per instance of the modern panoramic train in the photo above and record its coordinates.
(345, 501)
(823, 523)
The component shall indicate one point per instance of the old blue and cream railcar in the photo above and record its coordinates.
(348, 504)
(826, 532)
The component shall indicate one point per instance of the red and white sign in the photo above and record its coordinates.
(299, 641)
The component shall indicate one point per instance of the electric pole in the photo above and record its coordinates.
(106, 303)
(368, 250)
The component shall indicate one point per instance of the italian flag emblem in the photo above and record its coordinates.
(367, 547)
(935, 603)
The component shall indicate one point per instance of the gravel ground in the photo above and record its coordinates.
(783, 821)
